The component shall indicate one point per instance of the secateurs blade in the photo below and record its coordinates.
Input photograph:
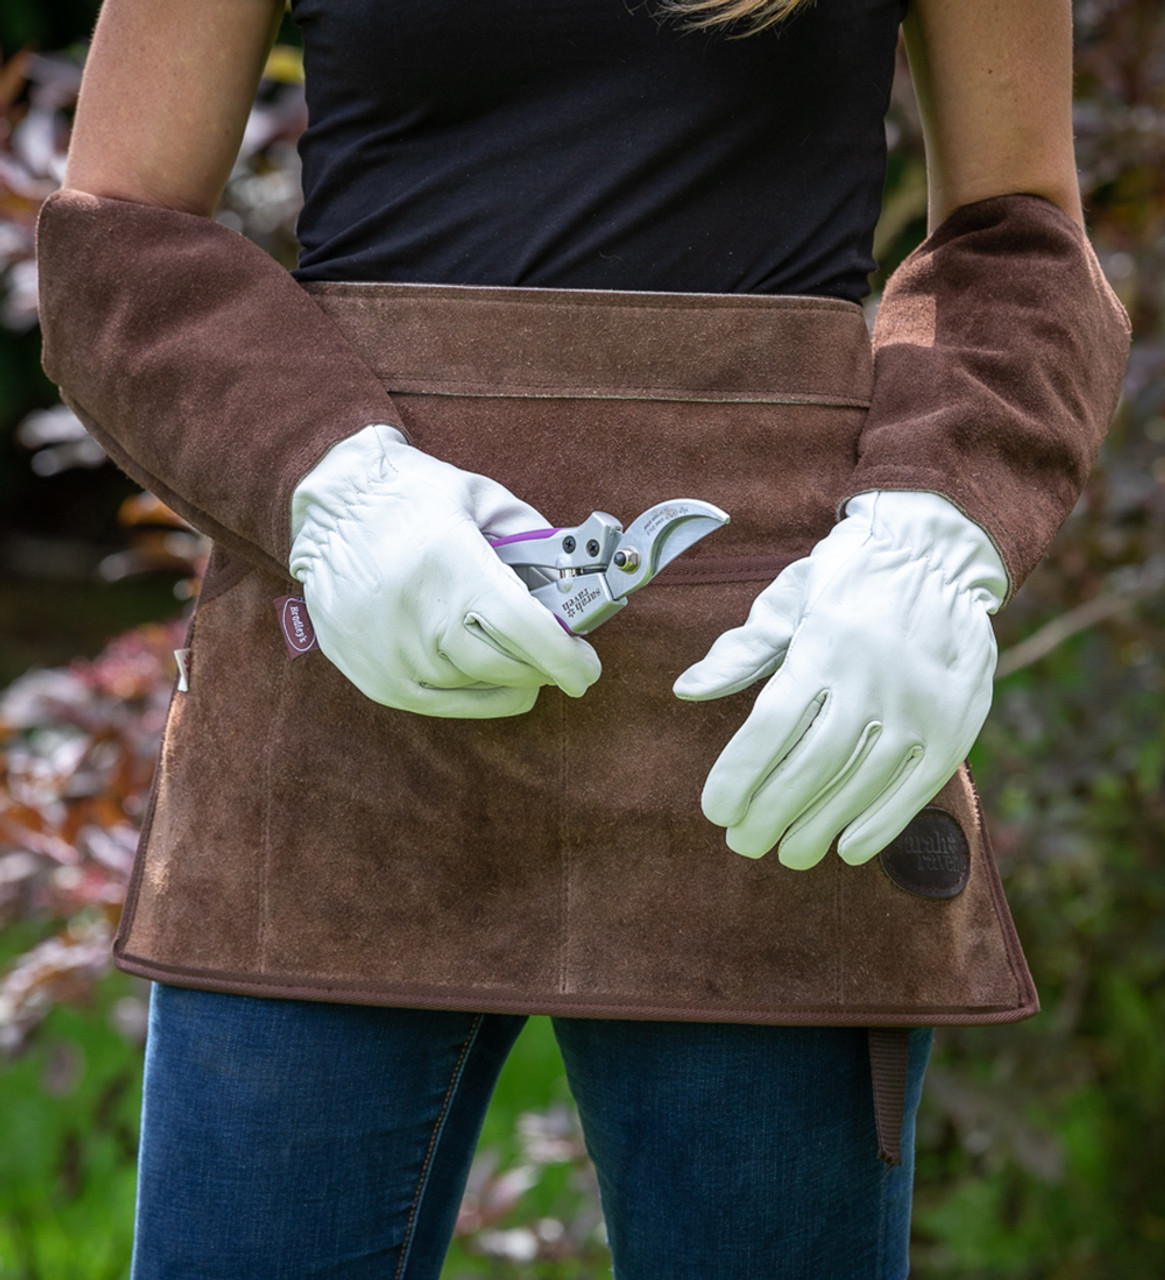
(584, 574)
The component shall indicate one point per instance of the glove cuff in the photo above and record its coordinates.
(341, 476)
(937, 532)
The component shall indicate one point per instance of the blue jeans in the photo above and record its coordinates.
(284, 1139)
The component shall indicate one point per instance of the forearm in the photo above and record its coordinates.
(993, 80)
(167, 89)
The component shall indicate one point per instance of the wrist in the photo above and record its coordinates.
(343, 473)
(932, 529)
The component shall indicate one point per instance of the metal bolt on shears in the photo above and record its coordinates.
(584, 574)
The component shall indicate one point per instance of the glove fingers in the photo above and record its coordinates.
(782, 716)
(884, 819)
(505, 637)
(799, 795)
(435, 686)
(868, 785)
(497, 512)
(472, 703)
(736, 660)
(751, 652)
(481, 659)
(888, 816)
(485, 654)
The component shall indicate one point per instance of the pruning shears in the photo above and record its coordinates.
(584, 574)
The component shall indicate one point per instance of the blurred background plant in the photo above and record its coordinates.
(1039, 1153)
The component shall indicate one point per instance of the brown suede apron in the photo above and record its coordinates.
(304, 841)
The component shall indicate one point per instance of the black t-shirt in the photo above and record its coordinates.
(593, 144)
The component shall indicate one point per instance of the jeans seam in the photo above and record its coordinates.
(438, 1129)
(886, 1175)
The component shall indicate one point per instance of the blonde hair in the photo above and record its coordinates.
(748, 15)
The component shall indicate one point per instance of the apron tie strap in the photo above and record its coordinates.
(889, 1063)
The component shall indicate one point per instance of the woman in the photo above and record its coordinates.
(577, 256)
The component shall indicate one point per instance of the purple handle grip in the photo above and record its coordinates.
(531, 535)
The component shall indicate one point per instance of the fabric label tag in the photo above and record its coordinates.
(182, 658)
(298, 633)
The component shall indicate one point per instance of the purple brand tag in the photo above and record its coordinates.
(298, 633)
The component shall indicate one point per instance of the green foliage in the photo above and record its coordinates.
(68, 1112)
(1069, 1184)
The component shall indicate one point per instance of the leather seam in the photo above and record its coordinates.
(398, 385)
(586, 299)
(295, 986)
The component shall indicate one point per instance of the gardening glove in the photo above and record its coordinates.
(883, 657)
(406, 596)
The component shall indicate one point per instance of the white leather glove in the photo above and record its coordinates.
(407, 597)
(884, 657)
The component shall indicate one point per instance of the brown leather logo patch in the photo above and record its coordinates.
(931, 857)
